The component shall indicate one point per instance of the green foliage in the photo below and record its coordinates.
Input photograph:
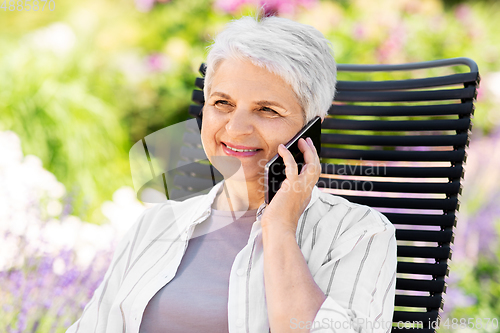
(49, 103)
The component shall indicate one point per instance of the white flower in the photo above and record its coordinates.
(123, 211)
(10, 153)
(57, 37)
(492, 83)
(133, 66)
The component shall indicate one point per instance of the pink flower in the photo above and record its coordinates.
(359, 32)
(230, 6)
(156, 62)
(463, 13)
(393, 44)
(144, 5)
(270, 7)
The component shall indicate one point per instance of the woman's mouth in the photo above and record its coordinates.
(239, 151)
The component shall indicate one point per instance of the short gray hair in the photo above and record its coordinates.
(296, 52)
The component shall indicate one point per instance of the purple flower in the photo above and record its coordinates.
(17, 278)
(483, 223)
(476, 234)
(34, 293)
(67, 204)
(47, 303)
(456, 298)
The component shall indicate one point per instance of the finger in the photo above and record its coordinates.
(311, 143)
(291, 169)
(307, 151)
(311, 172)
(316, 157)
(311, 157)
(312, 168)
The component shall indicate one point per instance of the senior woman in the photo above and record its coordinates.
(308, 261)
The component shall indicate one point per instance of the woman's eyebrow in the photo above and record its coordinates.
(221, 95)
(270, 103)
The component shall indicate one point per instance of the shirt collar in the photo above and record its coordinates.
(207, 200)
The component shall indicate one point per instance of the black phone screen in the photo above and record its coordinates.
(275, 168)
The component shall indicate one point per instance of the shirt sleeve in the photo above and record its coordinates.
(95, 314)
(358, 275)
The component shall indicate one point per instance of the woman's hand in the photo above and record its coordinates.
(294, 194)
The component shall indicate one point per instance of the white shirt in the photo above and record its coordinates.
(350, 250)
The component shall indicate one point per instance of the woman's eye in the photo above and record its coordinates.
(269, 110)
(222, 104)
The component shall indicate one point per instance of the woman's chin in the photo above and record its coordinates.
(228, 166)
(232, 168)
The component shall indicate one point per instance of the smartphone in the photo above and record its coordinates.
(275, 168)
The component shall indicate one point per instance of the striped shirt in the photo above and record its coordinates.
(350, 250)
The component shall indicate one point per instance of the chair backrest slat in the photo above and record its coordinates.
(397, 125)
(444, 220)
(405, 96)
(422, 268)
(407, 203)
(436, 286)
(419, 301)
(440, 81)
(439, 252)
(198, 96)
(425, 317)
(401, 110)
(444, 236)
(394, 155)
(395, 140)
(195, 110)
(381, 170)
(377, 186)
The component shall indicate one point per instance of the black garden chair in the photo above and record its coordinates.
(397, 145)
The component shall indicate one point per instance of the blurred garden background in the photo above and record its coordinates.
(80, 84)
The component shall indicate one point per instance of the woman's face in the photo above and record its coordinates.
(252, 109)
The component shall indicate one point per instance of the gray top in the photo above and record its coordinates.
(196, 299)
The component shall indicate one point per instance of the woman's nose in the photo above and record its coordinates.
(240, 122)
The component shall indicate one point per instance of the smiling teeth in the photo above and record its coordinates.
(240, 150)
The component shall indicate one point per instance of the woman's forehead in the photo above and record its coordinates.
(237, 75)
